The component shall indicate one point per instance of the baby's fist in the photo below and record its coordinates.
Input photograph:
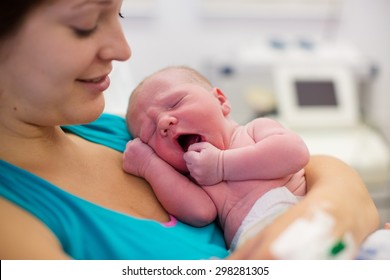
(137, 157)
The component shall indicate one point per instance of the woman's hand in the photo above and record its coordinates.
(334, 189)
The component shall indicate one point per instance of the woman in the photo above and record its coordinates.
(63, 192)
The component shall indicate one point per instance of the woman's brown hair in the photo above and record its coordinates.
(13, 13)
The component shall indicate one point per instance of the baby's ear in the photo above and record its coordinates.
(225, 106)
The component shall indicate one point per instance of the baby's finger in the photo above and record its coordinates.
(197, 147)
(190, 156)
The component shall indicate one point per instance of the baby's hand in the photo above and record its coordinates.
(137, 157)
(205, 163)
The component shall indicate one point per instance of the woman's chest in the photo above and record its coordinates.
(95, 174)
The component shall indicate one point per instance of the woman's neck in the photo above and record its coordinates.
(21, 142)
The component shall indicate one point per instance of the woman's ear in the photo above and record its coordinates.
(225, 106)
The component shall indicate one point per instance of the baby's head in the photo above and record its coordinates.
(175, 108)
(158, 81)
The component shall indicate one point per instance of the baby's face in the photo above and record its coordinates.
(170, 116)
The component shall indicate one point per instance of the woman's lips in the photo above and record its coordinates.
(97, 85)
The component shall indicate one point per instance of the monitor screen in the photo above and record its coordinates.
(312, 97)
(315, 93)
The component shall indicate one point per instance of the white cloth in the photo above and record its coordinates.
(264, 211)
(376, 246)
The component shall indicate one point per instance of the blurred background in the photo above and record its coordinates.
(321, 67)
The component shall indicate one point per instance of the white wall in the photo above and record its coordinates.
(366, 23)
(176, 33)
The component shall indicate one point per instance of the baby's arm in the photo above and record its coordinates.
(178, 195)
(277, 152)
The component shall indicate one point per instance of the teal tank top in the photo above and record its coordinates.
(89, 231)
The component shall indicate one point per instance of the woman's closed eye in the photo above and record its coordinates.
(83, 33)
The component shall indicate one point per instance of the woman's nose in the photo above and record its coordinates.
(165, 123)
(115, 46)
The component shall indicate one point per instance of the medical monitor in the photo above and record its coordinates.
(316, 96)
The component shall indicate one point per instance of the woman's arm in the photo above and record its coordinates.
(336, 189)
(24, 237)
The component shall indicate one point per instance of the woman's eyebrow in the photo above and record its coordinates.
(96, 2)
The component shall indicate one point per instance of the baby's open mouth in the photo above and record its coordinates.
(186, 140)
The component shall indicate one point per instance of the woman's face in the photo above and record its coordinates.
(55, 69)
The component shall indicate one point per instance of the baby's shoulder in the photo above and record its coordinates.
(263, 123)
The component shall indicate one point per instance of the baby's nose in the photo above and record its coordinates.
(165, 123)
